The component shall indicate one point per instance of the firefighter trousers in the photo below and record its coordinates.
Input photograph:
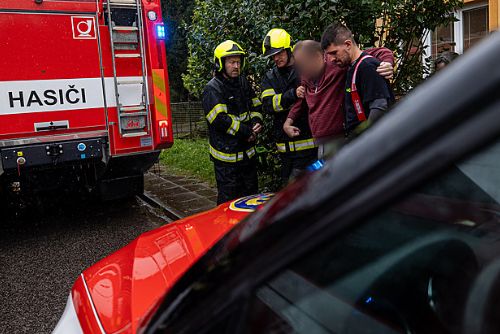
(235, 180)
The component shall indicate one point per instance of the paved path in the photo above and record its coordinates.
(186, 195)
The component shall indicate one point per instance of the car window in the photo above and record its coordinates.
(428, 264)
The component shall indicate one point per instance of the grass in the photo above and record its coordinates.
(189, 157)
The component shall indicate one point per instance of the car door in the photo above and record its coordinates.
(325, 253)
(427, 263)
(418, 265)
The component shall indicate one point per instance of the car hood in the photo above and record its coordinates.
(126, 286)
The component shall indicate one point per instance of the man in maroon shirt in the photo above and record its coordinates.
(322, 89)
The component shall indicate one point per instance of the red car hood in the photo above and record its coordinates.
(126, 285)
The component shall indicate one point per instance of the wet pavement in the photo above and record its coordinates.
(42, 252)
(185, 195)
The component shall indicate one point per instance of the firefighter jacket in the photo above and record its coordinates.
(231, 109)
(278, 95)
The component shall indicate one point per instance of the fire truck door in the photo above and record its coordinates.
(50, 72)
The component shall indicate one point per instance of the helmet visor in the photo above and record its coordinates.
(271, 52)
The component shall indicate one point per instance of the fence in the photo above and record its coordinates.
(188, 120)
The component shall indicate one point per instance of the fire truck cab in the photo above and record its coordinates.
(83, 94)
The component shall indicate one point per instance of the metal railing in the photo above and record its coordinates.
(188, 120)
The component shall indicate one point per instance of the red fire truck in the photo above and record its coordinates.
(83, 93)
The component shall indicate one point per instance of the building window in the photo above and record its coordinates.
(442, 39)
(475, 26)
(470, 27)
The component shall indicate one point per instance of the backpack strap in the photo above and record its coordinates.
(356, 99)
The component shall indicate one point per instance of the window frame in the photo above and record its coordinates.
(458, 29)
(466, 9)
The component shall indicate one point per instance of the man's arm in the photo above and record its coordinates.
(255, 111)
(267, 96)
(382, 54)
(274, 102)
(374, 91)
(290, 130)
(297, 109)
(295, 113)
(386, 57)
(255, 108)
(378, 108)
(218, 118)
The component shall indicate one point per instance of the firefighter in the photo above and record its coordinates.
(279, 93)
(233, 113)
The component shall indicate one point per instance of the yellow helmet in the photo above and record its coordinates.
(226, 49)
(276, 41)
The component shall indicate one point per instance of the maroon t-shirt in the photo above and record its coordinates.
(325, 98)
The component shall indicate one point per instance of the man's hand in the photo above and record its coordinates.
(252, 138)
(301, 92)
(257, 128)
(290, 130)
(386, 70)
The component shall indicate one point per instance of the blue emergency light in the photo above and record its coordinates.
(316, 165)
(160, 31)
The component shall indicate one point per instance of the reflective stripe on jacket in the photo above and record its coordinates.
(232, 157)
(296, 146)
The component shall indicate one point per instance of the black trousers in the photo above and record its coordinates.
(293, 164)
(235, 181)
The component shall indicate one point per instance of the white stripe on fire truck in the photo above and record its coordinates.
(19, 97)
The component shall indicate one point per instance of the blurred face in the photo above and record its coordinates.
(310, 65)
(232, 65)
(281, 59)
(339, 54)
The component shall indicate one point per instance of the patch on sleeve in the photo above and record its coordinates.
(250, 203)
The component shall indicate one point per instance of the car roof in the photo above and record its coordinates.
(435, 116)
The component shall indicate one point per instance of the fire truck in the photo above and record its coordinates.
(84, 96)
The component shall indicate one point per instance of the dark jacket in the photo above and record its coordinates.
(231, 109)
(374, 92)
(278, 96)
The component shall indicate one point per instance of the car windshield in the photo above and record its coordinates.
(428, 264)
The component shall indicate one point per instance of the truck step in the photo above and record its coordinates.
(120, 81)
(125, 28)
(123, 3)
(127, 55)
(134, 134)
(134, 114)
(132, 108)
